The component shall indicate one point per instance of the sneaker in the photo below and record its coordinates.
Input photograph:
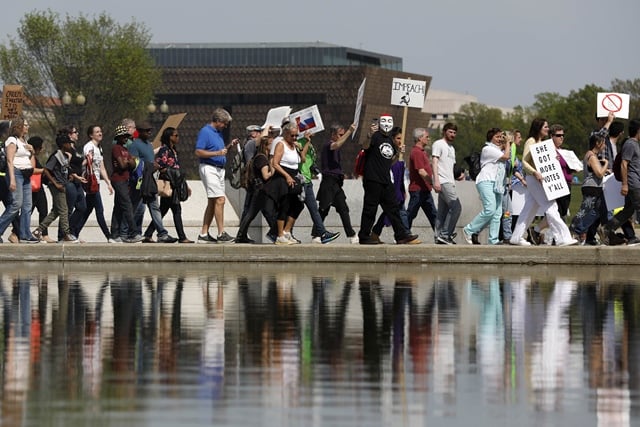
(467, 236)
(440, 240)
(148, 240)
(167, 239)
(519, 242)
(115, 240)
(615, 240)
(13, 238)
(243, 240)
(474, 239)
(207, 238)
(282, 240)
(411, 239)
(634, 241)
(292, 238)
(328, 237)
(135, 239)
(370, 241)
(47, 239)
(591, 242)
(534, 236)
(271, 237)
(30, 239)
(316, 240)
(37, 233)
(569, 242)
(185, 241)
(354, 240)
(225, 238)
(70, 238)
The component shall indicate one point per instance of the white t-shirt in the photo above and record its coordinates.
(22, 159)
(90, 147)
(489, 162)
(446, 155)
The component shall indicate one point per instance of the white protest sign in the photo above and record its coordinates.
(572, 160)
(308, 119)
(408, 93)
(545, 158)
(356, 118)
(275, 117)
(616, 103)
(611, 189)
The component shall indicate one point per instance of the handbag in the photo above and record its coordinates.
(164, 188)
(92, 185)
(36, 182)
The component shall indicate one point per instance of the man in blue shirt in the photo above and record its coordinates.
(212, 152)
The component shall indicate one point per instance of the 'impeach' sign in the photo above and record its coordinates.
(12, 99)
(545, 157)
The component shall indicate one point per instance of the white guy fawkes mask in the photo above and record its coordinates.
(385, 124)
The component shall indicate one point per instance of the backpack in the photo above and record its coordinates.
(237, 168)
(473, 160)
(358, 169)
(617, 164)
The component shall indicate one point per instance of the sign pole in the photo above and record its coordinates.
(404, 120)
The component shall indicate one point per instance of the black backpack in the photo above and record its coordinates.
(473, 160)
(617, 164)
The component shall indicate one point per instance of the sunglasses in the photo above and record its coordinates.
(559, 135)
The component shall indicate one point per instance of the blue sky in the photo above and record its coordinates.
(502, 51)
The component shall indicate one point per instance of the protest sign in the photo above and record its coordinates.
(308, 120)
(12, 100)
(546, 161)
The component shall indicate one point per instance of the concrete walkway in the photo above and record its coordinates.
(315, 253)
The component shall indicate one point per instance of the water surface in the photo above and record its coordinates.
(339, 345)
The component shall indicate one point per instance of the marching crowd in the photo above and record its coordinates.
(280, 165)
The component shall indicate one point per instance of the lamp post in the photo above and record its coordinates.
(156, 118)
(74, 108)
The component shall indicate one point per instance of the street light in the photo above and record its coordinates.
(157, 118)
(74, 109)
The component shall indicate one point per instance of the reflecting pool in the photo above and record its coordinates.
(318, 345)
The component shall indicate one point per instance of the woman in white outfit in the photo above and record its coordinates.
(535, 198)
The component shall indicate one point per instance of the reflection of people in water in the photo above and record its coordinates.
(213, 342)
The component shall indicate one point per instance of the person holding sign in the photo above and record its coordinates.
(378, 188)
(535, 198)
(593, 210)
(490, 184)
(630, 170)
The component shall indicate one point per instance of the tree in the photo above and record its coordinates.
(575, 112)
(632, 87)
(108, 63)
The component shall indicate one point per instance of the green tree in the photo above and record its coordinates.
(108, 63)
(632, 87)
(575, 112)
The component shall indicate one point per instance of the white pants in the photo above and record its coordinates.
(535, 201)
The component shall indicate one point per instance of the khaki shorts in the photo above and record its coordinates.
(212, 178)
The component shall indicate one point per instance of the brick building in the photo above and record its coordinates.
(249, 79)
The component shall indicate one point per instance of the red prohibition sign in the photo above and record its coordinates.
(612, 102)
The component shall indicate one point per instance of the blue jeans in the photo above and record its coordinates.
(449, 210)
(490, 214)
(76, 205)
(310, 202)
(421, 199)
(20, 202)
(506, 220)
